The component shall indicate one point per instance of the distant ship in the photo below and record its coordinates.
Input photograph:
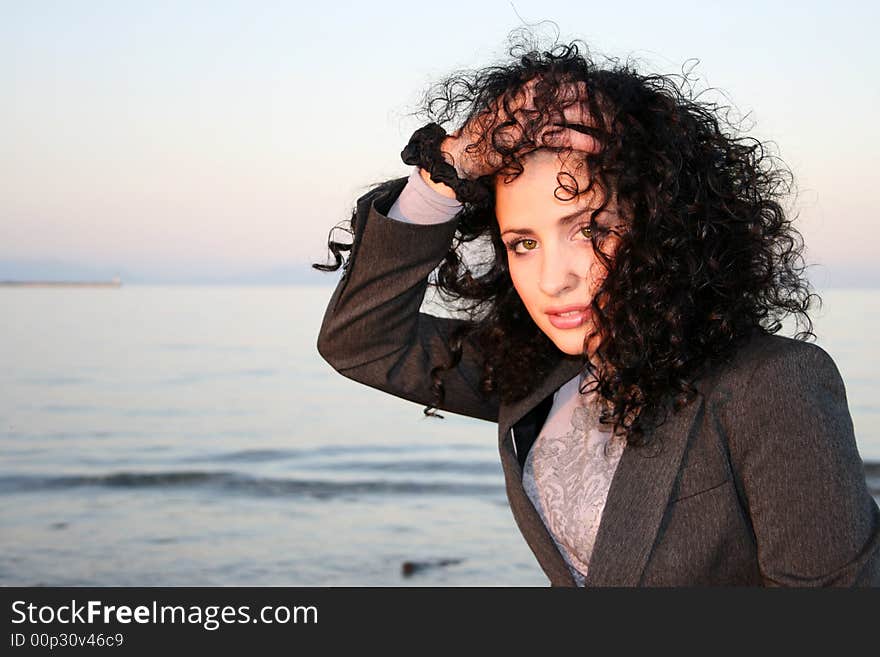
(113, 282)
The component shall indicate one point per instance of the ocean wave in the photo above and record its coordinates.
(403, 466)
(238, 483)
(273, 454)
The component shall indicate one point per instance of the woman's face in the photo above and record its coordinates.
(550, 256)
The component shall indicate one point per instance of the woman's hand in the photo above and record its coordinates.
(471, 149)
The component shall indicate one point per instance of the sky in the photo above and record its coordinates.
(188, 141)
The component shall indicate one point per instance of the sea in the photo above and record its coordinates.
(193, 436)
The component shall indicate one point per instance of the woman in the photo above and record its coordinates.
(622, 261)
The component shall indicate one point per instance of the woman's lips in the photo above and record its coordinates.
(569, 317)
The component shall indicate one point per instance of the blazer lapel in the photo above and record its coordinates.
(638, 497)
(527, 519)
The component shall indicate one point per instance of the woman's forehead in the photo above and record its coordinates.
(542, 168)
(549, 180)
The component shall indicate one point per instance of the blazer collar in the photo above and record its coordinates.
(564, 370)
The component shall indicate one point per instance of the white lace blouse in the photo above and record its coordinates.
(568, 472)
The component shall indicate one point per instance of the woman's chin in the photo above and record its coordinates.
(569, 342)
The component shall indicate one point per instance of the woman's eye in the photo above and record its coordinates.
(519, 247)
(587, 232)
(528, 245)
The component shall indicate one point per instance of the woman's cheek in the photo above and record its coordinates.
(515, 279)
(522, 283)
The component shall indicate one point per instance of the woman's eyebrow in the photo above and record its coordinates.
(562, 221)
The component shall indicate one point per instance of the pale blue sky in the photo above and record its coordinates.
(188, 137)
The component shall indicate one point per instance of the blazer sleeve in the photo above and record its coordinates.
(373, 331)
(796, 463)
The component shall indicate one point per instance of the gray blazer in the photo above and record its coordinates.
(757, 481)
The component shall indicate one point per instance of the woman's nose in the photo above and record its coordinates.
(559, 274)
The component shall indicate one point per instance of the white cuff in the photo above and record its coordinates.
(419, 204)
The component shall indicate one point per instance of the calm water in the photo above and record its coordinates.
(193, 436)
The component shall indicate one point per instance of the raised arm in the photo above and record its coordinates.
(373, 331)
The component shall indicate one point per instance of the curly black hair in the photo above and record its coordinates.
(707, 258)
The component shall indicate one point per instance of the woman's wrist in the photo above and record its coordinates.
(440, 188)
